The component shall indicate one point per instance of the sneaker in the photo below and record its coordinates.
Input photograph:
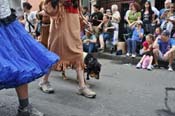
(139, 65)
(133, 55)
(87, 92)
(149, 67)
(29, 111)
(170, 68)
(128, 54)
(46, 87)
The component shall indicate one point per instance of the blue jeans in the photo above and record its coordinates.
(132, 46)
(89, 47)
(107, 36)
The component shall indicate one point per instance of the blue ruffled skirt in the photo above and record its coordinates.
(22, 59)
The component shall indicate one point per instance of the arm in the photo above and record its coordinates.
(171, 50)
(155, 44)
(132, 25)
(100, 25)
(126, 17)
(173, 21)
(139, 15)
(94, 40)
(141, 35)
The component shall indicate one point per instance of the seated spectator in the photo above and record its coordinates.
(162, 11)
(133, 16)
(164, 48)
(137, 36)
(157, 32)
(167, 24)
(107, 30)
(147, 59)
(89, 41)
(147, 44)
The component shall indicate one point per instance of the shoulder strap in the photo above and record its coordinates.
(30, 24)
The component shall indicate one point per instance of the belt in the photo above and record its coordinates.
(8, 20)
(47, 24)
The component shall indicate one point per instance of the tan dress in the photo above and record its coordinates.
(64, 39)
(45, 27)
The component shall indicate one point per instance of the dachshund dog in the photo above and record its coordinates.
(92, 68)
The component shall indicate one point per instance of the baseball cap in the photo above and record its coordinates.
(166, 33)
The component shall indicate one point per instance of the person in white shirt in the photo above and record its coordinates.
(30, 19)
(115, 21)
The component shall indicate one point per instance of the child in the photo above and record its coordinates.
(146, 61)
(157, 32)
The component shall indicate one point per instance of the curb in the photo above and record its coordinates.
(123, 59)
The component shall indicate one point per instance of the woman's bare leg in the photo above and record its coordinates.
(44, 84)
(84, 90)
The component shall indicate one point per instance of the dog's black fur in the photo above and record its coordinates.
(92, 67)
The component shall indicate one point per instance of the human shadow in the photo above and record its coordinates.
(168, 110)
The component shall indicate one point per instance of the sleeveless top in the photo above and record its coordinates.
(4, 9)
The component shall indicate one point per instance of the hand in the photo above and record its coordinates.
(106, 29)
(86, 41)
(43, 13)
(166, 55)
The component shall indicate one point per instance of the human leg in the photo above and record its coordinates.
(139, 65)
(156, 55)
(129, 47)
(91, 47)
(150, 63)
(24, 108)
(134, 46)
(170, 58)
(45, 85)
(101, 40)
(84, 90)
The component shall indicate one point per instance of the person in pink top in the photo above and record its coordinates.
(147, 59)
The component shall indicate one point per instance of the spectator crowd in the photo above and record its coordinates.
(148, 32)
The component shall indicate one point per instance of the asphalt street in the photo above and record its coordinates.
(122, 90)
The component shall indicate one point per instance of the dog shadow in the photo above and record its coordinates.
(167, 111)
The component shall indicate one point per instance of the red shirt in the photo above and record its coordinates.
(145, 44)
